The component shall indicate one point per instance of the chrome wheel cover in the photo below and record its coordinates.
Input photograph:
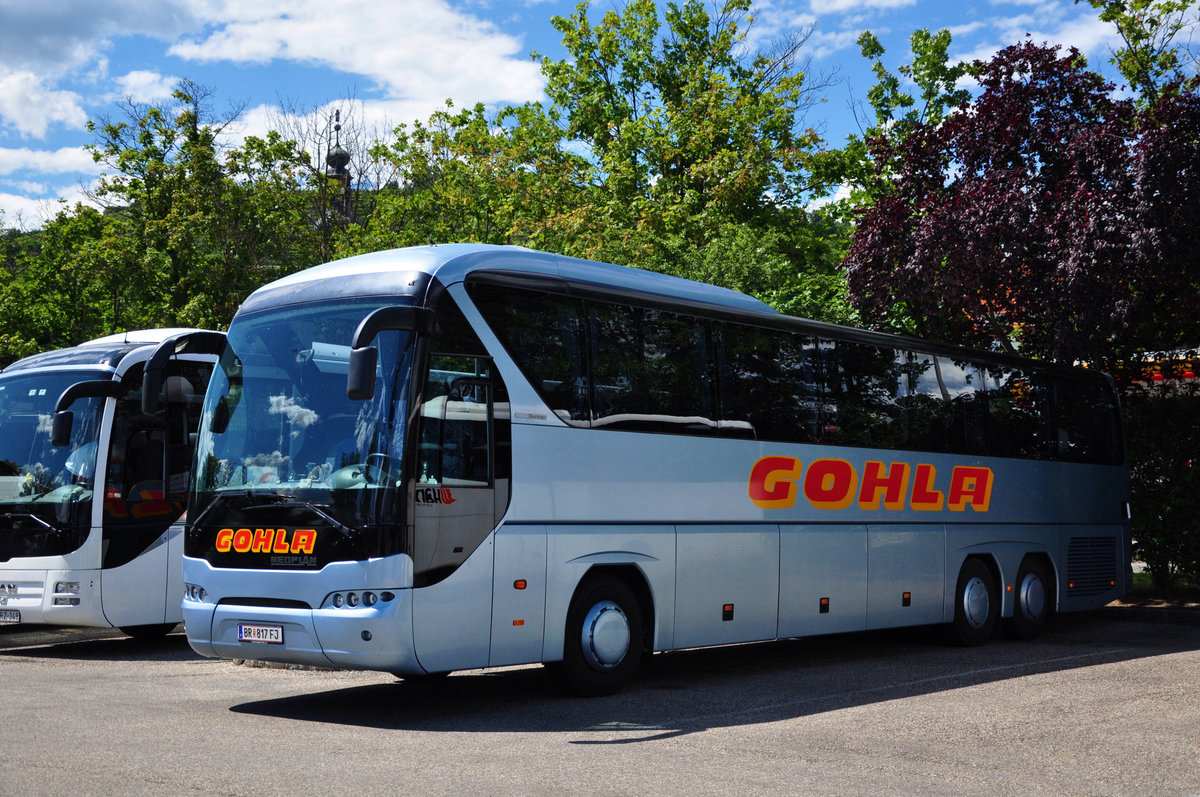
(606, 635)
(976, 603)
(1031, 597)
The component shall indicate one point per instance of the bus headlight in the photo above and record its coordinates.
(195, 592)
(352, 600)
(66, 587)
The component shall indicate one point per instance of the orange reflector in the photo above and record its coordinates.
(1009, 588)
(519, 584)
(727, 607)
(518, 622)
(1071, 585)
(824, 601)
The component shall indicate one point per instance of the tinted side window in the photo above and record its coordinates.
(859, 385)
(768, 385)
(543, 334)
(1085, 417)
(651, 369)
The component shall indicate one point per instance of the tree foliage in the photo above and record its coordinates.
(1009, 222)
(187, 230)
(1157, 50)
(665, 144)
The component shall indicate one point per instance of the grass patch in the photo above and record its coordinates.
(1186, 590)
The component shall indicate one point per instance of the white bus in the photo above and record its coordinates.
(96, 449)
(462, 456)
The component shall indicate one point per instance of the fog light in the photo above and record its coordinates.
(369, 599)
(352, 599)
(66, 601)
(67, 587)
(338, 600)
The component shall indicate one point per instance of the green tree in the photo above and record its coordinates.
(1158, 48)
(191, 229)
(663, 146)
(700, 163)
(472, 176)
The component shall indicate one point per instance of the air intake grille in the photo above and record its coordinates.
(1091, 565)
(270, 603)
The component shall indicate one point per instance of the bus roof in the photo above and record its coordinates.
(407, 272)
(410, 271)
(103, 353)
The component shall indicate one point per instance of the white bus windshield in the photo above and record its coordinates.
(278, 428)
(45, 490)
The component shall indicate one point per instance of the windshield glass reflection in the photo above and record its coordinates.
(277, 421)
(45, 490)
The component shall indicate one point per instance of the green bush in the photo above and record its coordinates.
(1163, 432)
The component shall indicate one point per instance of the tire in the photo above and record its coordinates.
(603, 647)
(147, 631)
(976, 604)
(1032, 603)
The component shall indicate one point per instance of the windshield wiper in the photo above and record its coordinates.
(289, 503)
(18, 516)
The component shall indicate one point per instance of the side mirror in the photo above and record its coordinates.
(60, 428)
(360, 380)
(197, 342)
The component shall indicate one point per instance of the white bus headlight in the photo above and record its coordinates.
(66, 587)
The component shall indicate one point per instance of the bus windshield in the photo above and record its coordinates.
(281, 445)
(45, 491)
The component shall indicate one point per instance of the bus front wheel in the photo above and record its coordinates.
(975, 604)
(603, 646)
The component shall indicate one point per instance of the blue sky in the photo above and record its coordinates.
(66, 62)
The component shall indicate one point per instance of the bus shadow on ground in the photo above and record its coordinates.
(93, 644)
(690, 691)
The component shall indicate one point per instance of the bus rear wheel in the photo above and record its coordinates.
(603, 646)
(975, 604)
(1031, 604)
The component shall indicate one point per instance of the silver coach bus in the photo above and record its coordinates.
(462, 456)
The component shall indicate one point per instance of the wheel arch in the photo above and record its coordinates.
(636, 580)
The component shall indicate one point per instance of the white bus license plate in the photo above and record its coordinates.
(267, 634)
(10, 616)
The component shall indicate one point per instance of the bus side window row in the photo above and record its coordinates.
(618, 366)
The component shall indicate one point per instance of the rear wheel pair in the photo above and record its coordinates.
(977, 602)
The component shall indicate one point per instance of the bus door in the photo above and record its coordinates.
(457, 496)
(145, 494)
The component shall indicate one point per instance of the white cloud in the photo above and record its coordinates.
(28, 213)
(412, 50)
(28, 106)
(67, 160)
(849, 6)
(53, 38)
(144, 86)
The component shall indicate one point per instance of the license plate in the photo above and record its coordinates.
(264, 634)
(10, 616)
